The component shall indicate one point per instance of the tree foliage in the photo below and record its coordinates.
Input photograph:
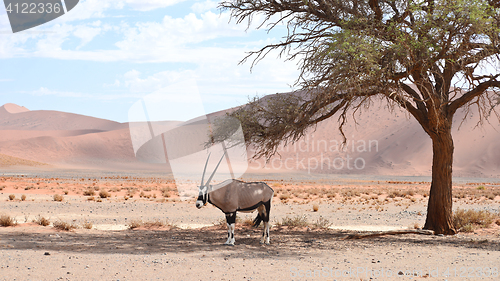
(350, 52)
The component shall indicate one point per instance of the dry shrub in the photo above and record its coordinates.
(2, 187)
(61, 225)
(285, 196)
(41, 221)
(12, 197)
(150, 224)
(104, 194)
(58, 197)
(23, 197)
(415, 226)
(165, 192)
(89, 192)
(409, 193)
(322, 223)
(315, 207)
(6, 220)
(248, 221)
(297, 221)
(468, 220)
(350, 193)
(87, 225)
(395, 193)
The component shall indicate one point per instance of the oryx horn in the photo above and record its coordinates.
(204, 170)
(208, 181)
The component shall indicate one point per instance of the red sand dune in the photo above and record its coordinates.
(384, 144)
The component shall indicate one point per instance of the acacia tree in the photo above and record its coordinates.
(429, 57)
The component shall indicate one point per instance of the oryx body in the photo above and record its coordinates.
(232, 196)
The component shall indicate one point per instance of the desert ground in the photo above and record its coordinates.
(132, 226)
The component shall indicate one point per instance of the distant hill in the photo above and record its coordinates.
(379, 143)
(9, 161)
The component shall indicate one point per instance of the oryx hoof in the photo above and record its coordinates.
(228, 244)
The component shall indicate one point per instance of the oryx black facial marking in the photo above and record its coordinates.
(231, 196)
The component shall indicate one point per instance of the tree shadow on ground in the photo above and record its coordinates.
(283, 242)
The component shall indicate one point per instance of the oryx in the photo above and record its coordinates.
(232, 195)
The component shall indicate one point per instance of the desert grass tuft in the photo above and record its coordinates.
(297, 221)
(321, 223)
(41, 221)
(104, 194)
(12, 197)
(6, 220)
(89, 192)
(23, 197)
(469, 220)
(87, 224)
(148, 224)
(61, 225)
(58, 197)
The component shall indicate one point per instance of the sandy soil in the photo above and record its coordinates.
(181, 250)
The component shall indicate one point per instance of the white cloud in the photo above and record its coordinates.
(201, 7)
(86, 34)
(148, 5)
(42, 91)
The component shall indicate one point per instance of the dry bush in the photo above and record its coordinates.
(87, 225)
(41, 221)
(415, 226)
(66, 192)
(285, 196)
(297, 221)
(6, 220)
(12, 197)
(248, 221)
(165, 192)
(321, 223)
(104, 194)
(315, 207)
(58, 197)
(89, 192)
(23, 197)
(459, 194)
(468, 220)
(142, 194)
(2, 187)
(61, 225)
(91, 198)
(150, 224)
(348, 193)
(395, 193)
(331, 194)
(409, 193)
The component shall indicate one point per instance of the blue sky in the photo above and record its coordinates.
(105, 55)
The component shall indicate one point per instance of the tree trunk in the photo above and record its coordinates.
(439, 208)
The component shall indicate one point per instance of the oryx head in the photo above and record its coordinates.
(203, 188)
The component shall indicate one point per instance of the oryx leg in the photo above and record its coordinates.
(230, 221)
(264, 210)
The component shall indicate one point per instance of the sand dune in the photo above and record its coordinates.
(380, 143)
(13, 117)
(9, 161)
